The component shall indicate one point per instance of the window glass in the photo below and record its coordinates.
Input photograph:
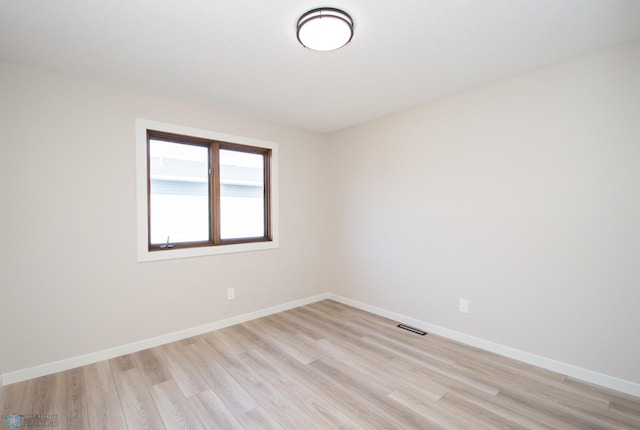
(178, 192)
(241, 194)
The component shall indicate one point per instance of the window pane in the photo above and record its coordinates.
(179, 193)
(241, 194)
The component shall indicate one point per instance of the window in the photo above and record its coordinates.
(203, 193)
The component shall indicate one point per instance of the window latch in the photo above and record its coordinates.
(166, 245)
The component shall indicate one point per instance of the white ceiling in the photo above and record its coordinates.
(243, 54)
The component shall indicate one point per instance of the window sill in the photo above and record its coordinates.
(170, 254)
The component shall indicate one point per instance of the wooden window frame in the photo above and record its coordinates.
(214, 186)
(146, 129)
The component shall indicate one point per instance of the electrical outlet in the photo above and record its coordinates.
(464, 306)
(231, 293)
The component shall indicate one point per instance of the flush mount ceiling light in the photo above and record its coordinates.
(325, 29)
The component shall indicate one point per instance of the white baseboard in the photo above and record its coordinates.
(590, 376)
(94, 357)
(585, 375)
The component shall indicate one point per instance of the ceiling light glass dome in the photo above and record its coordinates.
(325, 29)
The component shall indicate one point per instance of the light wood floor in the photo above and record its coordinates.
(321, 366)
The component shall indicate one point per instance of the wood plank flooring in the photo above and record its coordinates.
(321, 366)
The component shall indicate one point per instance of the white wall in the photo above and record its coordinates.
(70, 283)
(522, 196)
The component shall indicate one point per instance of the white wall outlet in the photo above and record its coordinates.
(464, 306)
(231, 293)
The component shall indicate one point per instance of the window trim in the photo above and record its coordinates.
(227, 246)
